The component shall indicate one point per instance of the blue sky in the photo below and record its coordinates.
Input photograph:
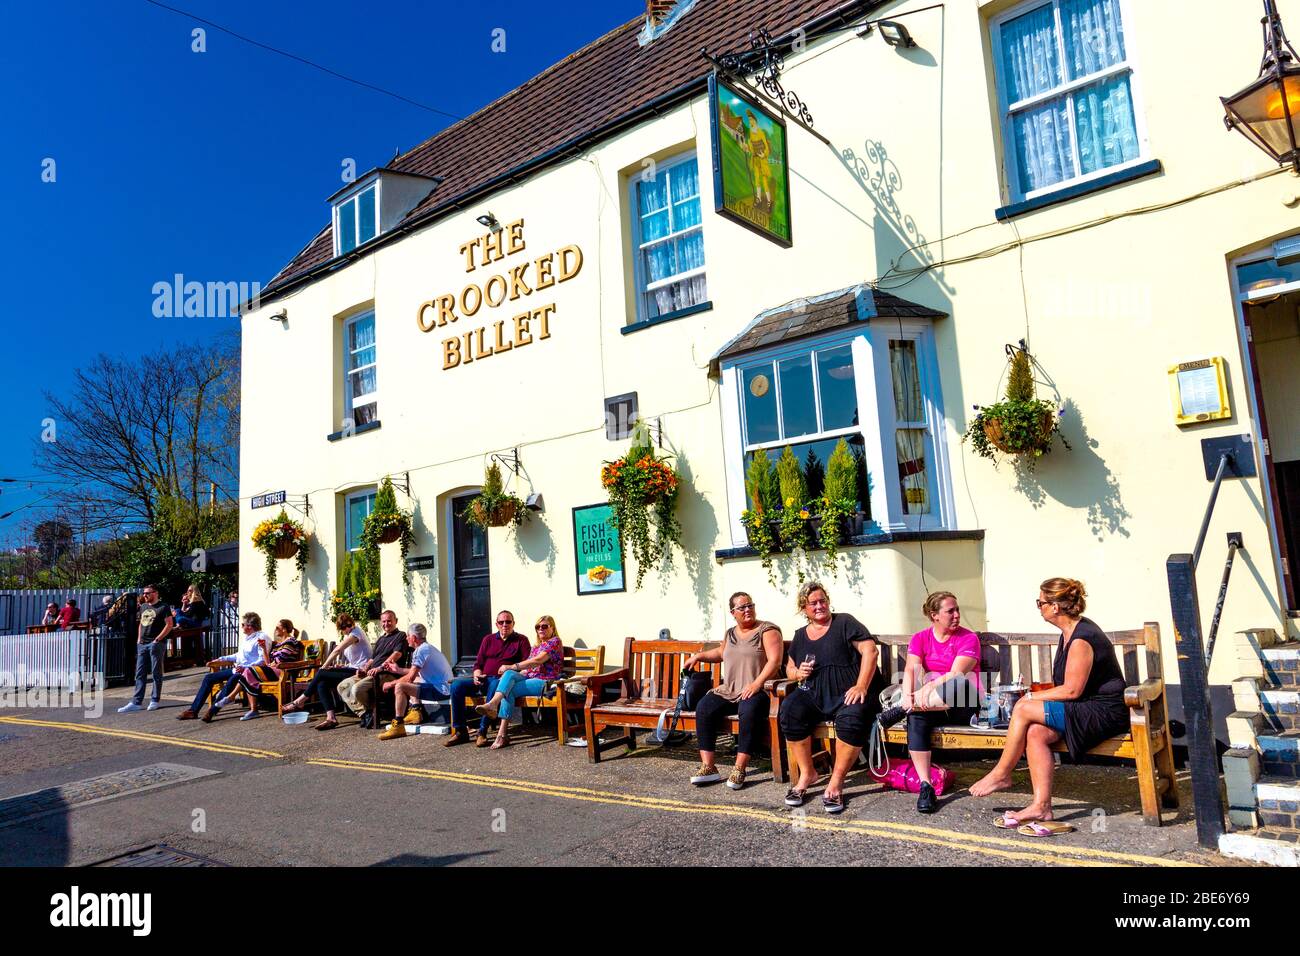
(215, 165)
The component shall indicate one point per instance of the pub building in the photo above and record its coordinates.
(751, 226)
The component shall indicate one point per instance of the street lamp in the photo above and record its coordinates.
(1268, 111)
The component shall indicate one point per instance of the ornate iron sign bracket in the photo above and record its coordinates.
(759, 69)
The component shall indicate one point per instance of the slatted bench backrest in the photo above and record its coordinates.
(583, 661)
(661, 662)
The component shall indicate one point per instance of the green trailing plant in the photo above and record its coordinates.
(814, 474)
(386, 524)
(281, 537)
(796, 531)
(838, 502)
(759, 519)
(643, 489)
(494, 507)
(1021, 424)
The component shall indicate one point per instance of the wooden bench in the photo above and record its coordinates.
(286, 688)
(1028, 657)
(579, 664)
(186, 647)
(650, 680)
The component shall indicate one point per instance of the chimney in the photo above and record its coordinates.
(656, 11)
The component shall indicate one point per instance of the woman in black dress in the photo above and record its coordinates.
(834, 659)
(1084, 708)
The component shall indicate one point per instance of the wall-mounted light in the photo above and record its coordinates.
(534, 502)
(281, 316)
(489, 221)
(895, 34)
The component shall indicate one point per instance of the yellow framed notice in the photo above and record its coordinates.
(1199, 391)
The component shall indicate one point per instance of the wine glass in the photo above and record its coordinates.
(807, 659)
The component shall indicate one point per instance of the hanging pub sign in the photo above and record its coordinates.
(598, 550)
(268, 500)
(751, 175)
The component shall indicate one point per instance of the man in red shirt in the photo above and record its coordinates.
(69, 614)
(503, 646)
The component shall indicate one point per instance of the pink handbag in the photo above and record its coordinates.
(901, 775)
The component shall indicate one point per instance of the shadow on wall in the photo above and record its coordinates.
(535, 544)
(699, 522)
(1078, 478)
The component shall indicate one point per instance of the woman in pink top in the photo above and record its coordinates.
(940, 684)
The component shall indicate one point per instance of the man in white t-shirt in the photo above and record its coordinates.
(428, 679)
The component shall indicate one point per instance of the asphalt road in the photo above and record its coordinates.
(262, 793)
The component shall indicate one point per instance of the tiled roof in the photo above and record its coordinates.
(805, 317)
(598, 85)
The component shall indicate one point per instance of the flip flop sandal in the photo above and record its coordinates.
(1007, 822)
(1044, 828)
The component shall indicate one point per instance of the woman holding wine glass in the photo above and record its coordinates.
(838, 681)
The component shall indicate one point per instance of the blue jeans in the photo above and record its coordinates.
(515, 684)
(149, 657)
(209, 681)
(465, 685)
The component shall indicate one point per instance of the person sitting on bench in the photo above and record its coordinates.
(350, 655)
(750, 655)
(1085, 707)
(940, 685)
(286, 649)
(502, 647)
(193, 610)
(392, 657)
(527, 678)
(248, 654)
(834, 659)
(428, 679)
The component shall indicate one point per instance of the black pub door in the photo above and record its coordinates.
(472, 618)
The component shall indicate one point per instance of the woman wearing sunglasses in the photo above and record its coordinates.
(1085, 707)
(527, 678)
(750, 654)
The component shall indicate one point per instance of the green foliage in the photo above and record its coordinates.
(1020, 379)
(814, 474)
(491, 508)
(761, 483)
(354, 592)
(386, 517)
(643, 489)
(1020, 424)
(838, 502)
(796, 532)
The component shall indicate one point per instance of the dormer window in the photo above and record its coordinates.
(355, 220)
(374, 204)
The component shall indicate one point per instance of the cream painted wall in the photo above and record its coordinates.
(914, 157)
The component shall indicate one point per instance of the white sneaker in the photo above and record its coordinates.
(153, 705)
(130, 708)
(219, 703)
(249, 715)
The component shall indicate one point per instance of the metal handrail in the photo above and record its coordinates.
(1209, 508)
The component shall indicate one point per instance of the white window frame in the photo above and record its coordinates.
(348, 543)
(356, 193)
(1127, 66)
(348, 402)
(870, 347)
(644, 289)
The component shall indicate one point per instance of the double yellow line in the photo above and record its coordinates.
(212, 746)
(909, 833)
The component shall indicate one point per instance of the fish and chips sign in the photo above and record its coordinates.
(524, 323)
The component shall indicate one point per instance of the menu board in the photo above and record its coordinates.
(598, 550)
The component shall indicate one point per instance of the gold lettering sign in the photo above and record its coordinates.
(516, 282)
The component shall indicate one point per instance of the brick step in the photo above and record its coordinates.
(1281, 709)
(1280, 753)
(1267, 845)
(1282, 665)
(1278, 801)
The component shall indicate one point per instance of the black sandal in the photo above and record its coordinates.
(327, 724)
(794, 797)
(833, 804)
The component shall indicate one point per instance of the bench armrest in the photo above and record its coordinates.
(596, 683)
(1144, 693)
(778, 687)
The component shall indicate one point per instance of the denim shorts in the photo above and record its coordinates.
(1054, 715)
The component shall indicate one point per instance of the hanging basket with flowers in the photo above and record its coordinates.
(1021, 424)
(643, 489)
(281, 538)
(386, 524)
(494, 507)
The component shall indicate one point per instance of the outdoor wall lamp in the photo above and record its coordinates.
(1267, 111)
(489, 221)
(281, 316)
(892, 32)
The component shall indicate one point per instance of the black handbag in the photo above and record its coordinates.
(695, 684)
(692, 688)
